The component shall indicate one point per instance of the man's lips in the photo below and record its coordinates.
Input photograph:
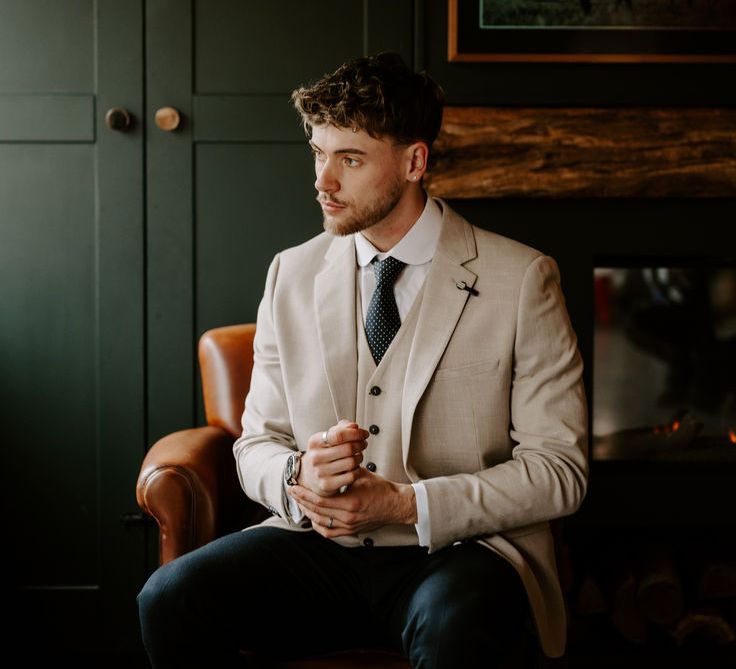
(331, 206)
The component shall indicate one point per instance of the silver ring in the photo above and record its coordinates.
(329, 525)
(324, 437)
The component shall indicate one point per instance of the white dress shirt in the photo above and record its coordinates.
(416, 248)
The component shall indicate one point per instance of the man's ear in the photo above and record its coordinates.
(417, 157)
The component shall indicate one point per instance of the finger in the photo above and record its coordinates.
(340, 434)
(334, 506)
(343, 423)
(333, 453)
(309, 499)
(321, 525)
(335, 437)
(315, 523)
(345, 479)
(340, 466)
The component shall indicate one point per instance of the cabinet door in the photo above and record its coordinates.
(234, 185)
(72, 314)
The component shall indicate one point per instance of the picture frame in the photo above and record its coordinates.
(666, 31)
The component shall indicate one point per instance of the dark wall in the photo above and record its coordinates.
(578, 231)
(574, 231)
(630, 506)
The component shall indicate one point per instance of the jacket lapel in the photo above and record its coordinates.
(442, 304)
(334, 304)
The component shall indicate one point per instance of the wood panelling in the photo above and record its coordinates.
(48, 336)
(72, 303)
(240, 229)
(54, 42)
(47, 118)
(240, 118)
(268, 48)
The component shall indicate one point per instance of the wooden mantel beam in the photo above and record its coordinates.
(616, 152)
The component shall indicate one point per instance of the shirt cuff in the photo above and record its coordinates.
(422, 524)
(293, 507)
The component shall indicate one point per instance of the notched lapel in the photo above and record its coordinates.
(442, 304)
(334, 303)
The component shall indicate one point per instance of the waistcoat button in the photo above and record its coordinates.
(368, 542)
(375, 390)
(371, 466)
(374, 429)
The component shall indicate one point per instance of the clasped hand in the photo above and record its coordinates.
(370, 500)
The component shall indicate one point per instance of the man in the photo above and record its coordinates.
(416, 416)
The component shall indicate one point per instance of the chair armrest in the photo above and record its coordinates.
(189, 485)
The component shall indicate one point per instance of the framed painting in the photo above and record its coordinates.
(693, 31)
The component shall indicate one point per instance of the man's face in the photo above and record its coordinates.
(359, 178)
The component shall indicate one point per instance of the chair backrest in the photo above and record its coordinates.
(226, 363)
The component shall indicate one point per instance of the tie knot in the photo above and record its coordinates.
(387, 270)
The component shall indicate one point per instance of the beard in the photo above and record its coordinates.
(368, 215)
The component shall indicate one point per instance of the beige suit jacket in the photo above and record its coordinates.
(493, 415)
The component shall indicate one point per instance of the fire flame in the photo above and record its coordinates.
(669, 429)
(732, 436)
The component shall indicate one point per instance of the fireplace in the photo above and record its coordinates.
(664, 370)
(649, 563)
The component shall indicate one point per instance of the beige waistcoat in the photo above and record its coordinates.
(384, 411)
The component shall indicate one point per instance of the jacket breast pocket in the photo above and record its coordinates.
(468, 370)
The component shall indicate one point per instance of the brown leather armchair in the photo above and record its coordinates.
(188, 482)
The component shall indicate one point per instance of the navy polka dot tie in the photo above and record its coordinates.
(383, 321)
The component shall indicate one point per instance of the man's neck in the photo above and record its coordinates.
(385, 234)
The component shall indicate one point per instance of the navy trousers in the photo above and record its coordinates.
(286, 595)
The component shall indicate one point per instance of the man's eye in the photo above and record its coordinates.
(351, 162)
(317, 155)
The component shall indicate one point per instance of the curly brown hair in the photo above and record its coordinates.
(378, 94)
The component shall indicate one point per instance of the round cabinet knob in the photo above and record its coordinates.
(117, 118)
(168, 119)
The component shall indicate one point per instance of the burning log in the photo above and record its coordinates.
(676, 436)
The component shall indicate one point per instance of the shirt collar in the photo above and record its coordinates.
(416, 247)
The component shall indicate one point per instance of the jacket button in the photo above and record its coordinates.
(375, 390)
(368, 542)
(374, 429)
(371, 466)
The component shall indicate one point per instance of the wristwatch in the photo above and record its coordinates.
(293, 465)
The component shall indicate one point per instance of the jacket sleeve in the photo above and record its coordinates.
(267, 440)
(546, 476)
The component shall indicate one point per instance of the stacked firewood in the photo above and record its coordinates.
(653, 593)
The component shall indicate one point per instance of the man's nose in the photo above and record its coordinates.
(326, 181)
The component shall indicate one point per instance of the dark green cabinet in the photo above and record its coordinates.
(118, 248)
(235, 185)
(71, 302)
